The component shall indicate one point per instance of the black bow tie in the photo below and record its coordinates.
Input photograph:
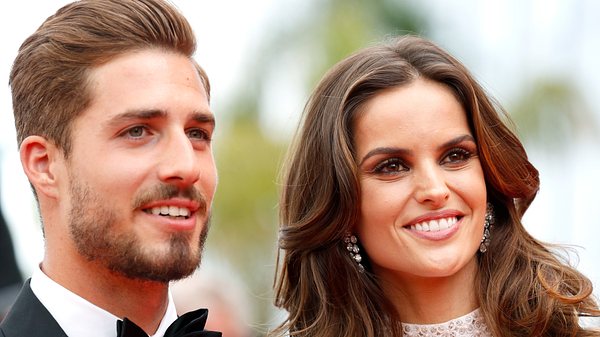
(190, 324)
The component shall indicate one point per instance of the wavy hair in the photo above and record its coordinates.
(49, 77)
(523, 287)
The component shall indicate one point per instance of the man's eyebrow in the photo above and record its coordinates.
(204, 118)
(147, 114)
(141, 114)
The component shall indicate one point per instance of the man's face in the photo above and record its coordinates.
(141, 171)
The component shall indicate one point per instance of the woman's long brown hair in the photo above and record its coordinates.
(523, 287)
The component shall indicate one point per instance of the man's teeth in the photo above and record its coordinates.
(434, 225)
(170, 211)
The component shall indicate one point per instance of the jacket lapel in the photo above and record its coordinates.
(29, 317)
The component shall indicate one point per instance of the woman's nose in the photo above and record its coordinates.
(431, 187)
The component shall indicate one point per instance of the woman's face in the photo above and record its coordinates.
(423, 194)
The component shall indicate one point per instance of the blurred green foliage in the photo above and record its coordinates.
(550, 112)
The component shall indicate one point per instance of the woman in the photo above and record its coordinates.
(401, 210)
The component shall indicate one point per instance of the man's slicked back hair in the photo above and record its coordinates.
(49, 78)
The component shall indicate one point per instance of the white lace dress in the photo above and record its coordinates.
(469, 325)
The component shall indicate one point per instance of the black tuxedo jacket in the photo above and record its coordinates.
(28, 317)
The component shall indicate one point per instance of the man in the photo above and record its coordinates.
(114, 126)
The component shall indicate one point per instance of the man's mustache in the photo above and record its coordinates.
(166, 191)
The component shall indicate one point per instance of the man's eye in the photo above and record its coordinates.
(136, 132)
(198, 134)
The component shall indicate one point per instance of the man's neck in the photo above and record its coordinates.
(142, 302)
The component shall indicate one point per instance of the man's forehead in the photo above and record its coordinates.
(146, 66)
(160, 81)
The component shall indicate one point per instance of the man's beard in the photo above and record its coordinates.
(94, 230)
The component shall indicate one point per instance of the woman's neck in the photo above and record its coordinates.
(428, 300)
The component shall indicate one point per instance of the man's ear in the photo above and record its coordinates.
(39, 158)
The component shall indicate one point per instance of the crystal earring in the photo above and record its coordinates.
(488, 223)
(352, 247)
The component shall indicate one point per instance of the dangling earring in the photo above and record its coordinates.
(352, 247)
(488, 223)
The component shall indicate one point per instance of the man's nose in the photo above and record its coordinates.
(180, 164)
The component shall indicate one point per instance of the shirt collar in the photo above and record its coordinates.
(79, 317)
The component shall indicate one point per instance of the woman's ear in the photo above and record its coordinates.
(38, 157)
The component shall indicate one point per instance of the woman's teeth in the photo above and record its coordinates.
(434, 225)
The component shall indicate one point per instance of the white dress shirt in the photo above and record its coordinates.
(79, 317)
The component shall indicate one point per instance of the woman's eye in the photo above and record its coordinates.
(390, 166)
(457, 156)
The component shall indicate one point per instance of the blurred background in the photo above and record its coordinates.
(538, 58)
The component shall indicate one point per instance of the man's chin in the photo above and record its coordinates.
(164, 271)
(162, 262)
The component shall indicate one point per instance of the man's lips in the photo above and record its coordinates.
(169, 211)
(172, 207)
